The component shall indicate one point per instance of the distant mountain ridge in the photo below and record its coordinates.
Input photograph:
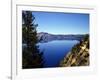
(46, 37)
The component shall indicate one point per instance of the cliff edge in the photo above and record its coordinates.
(79, 55)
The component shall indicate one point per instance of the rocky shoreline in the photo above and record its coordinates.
(78, 56)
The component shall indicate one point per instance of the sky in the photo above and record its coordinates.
(62, 23)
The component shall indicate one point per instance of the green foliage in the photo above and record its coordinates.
(79, 55)
(76, 48)
(86, 37)
(73, 64)
(31, 56)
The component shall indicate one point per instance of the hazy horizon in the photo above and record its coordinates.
(63, 33)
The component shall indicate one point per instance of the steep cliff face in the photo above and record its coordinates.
(79, 55)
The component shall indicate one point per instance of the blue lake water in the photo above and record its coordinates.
(54, 51)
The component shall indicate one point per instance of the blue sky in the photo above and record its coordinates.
(62, 23)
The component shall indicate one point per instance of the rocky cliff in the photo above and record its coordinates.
(78, 56)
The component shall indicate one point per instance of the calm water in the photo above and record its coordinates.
(54, 51)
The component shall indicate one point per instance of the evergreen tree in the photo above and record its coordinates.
(31, 56)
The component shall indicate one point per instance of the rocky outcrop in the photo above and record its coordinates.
(79, 55)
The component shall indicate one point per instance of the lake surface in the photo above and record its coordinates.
(54, 51)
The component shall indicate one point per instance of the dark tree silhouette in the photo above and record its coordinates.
(31, 56)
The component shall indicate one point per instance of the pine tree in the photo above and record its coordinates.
(31, 56)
